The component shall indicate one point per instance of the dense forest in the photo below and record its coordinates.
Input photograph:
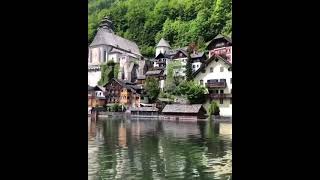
(178, 21)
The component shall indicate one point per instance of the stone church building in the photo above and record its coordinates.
(107, 46)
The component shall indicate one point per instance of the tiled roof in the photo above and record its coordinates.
(154, 72)
(153, 109)
(182, 108)
(105, 37)
(90, 88)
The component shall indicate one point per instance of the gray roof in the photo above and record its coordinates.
(105, 37)
(197, 55)
(99, 88)
(154, 72)
(140, 77)
(145, 109)
(219, 36)
(163, 43)
(182, 108)
(90, 88)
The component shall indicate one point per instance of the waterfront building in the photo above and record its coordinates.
(123, 92)
(216, 75)
(144, 111)
(96, 97)
(183, 112)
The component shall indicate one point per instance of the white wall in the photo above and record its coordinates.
(99, 94)
(114, 56)
(226, 107)
(162, 50)
(93, 78)
(95, 55)
(196, 66)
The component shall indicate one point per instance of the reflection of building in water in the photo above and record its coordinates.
(225, 129)
(92, 128)
(140, 127)
(181, 129)
(122, 135)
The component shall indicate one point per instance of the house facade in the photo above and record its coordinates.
(221, 45)
(96, 96)
(123, 92)
(216, 75)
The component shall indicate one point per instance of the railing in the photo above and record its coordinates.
(219, 96)
(216, 84)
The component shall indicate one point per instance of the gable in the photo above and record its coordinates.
(205, 67)
(180, 54)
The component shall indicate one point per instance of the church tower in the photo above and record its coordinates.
(107, 24)
(162, 47)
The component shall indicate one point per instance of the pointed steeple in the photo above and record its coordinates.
(107, 24)
(163, 43)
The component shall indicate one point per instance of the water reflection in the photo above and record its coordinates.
(150, 149)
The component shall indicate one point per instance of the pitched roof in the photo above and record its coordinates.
(197, 55)
(163, 43)
(208, 61)
(99, 88)
(154, 72)
(141, 77)
(182, 108)
(165, 55)
(105, 37)
(90, 88)
(219, 36)
(150, 109)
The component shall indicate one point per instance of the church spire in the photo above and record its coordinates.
(107, 24)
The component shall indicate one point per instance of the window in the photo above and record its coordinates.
(217, 91)
(211, 69)
(201, 82)
(221, 91)
(104, 55)
(230, 80)
(221, 101)
(221, 69)
(197, 65)
(222, 80)
(193, 66)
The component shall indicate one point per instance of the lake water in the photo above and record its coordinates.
(152, 149)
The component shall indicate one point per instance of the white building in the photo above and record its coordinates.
(216, 75)
(108, 46)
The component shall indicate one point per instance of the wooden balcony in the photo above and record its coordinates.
(216, 84)
(220, 96)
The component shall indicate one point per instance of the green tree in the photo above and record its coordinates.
(171, 82)
(178, 21)
(194, 92)
(152, 88)
(108, 71)
(190, 50)
(214, 109)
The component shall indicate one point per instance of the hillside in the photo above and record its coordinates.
(178, 21)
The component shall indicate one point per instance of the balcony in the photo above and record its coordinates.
(220, 96)
(216, 84)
